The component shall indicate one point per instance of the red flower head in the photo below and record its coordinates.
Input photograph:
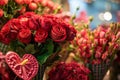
(33, 23)
(41, 35)
(9, 31)
(70, 71)
(25, 35)
(46, 23)
(58, 33)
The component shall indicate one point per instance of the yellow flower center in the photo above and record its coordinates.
(24, 62)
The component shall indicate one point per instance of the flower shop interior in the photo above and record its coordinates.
(59, 39)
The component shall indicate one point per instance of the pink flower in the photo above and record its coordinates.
(33, 6)
(3, 2)
(118, 35)
(1, 13)
(102, 34)
(27, 1)
(98, 54)
(82, 17)
(19, 2)
(96, 61)
(105, 55)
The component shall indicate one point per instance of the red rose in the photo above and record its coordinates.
(3, 2)
(33, 22)
(1, 13)
(27, 15)
(46, 23)
(70, 30)
(15, 25)
(41, 35)
(9, 32)
(23, 22)
(71, 33)
(58, 33)
(25, 35)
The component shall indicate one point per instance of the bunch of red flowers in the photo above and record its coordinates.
(69, 71)
(11, 8)
(99, 45)
(30, 28)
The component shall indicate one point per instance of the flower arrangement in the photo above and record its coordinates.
(13, 8)
(99, 45)
(33, 35)
(69, 71)
(96, 48)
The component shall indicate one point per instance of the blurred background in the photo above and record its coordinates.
(103, 11)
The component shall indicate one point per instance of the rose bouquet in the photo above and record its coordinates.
(13, 8)
(69, 71)
(30, 32)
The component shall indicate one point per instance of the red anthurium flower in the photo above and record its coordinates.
(26, 67)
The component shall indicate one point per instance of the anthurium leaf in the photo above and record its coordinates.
(30, 49)
(48, 51)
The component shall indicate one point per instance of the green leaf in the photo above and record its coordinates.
(13, 45)
(48, 51)
(30, 49)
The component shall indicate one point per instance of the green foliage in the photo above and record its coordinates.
(11, 9)
(30, 49)
(45, 51)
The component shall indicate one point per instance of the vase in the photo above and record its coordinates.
(98, 71)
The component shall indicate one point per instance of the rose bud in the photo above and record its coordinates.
(50, 4)
(23, 9)
(27, 1)
(19, 1)
(102, 34)
(3, 2)
(44, 2)
(105, 55)
(33, 6)
(1, 12)
(37, 1)
(118, 35)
